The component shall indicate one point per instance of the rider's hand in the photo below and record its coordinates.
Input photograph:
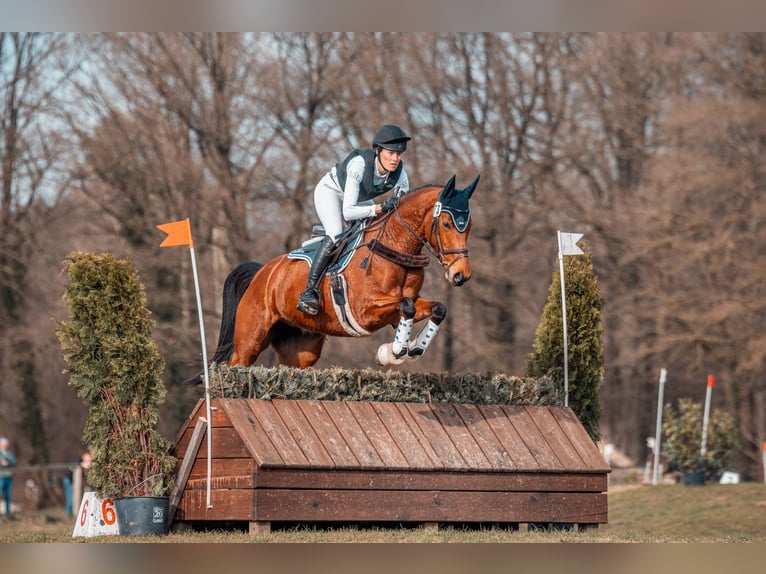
(389, 204)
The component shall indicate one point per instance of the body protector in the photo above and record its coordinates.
(367, 190)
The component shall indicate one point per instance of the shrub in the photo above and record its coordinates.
(683, 439)
(116, 369)
(584, 330)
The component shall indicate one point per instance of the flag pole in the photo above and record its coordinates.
(705, 418)
(179, 233)
(764, 461)
(205, 368)
(658, 429)
(564, 322)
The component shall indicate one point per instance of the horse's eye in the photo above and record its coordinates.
(446, 224)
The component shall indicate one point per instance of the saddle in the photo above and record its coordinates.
(346, 243)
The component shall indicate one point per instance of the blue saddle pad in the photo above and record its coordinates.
(307, 251)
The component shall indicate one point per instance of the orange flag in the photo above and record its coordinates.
(179, 233)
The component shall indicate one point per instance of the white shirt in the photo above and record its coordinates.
(352, 209)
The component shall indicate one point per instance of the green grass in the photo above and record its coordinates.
(668, 513)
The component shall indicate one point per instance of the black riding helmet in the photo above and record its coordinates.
(391, 137)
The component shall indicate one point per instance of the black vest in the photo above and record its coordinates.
(368, 191)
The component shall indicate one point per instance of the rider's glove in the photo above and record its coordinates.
(389, 204)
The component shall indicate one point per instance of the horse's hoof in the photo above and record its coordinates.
(385, 356)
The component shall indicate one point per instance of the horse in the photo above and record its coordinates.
(375, 281)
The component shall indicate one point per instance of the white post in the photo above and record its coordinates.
(207, 378)
(564, 323)
(179, 233)
(567, 246)
(706, 416)
(658, 429)
(764, 461)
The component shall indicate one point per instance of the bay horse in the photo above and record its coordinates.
(379, 285)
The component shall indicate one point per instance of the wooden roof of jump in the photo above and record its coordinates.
(342, 435)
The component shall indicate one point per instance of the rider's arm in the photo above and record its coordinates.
(404, 181)
(351, 208)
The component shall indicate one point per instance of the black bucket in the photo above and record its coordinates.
(694, 477)
(137, 515)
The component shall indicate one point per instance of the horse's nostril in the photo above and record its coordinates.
(458, 279)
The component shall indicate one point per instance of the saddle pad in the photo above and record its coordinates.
(307, 251)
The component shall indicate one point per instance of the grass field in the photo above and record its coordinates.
(643, 514)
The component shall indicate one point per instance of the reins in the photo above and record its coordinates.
(406, 259)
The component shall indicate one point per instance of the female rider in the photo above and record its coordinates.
(346, 193)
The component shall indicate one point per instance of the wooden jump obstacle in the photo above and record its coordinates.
(312, 462)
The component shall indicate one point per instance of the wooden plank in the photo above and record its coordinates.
(556, 439)
(430, 480)
(533, 438)
(188, 424)
(256, 438)
(227, 505)
(417, 433)
(218, 415)
(461, 437)
(278, 434)
(227, 473)
(424, 417)
(328, 433)
(497, 419)
(482, 433)
(579, 438)
(401, 432)
(183, 473)
(353, 434)
(429, 506)
(378, 435)
(303, 436)
(226, 444)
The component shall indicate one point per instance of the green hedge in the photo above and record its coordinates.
(338, 384)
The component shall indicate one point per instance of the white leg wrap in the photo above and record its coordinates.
(402, 337)
(423, 339)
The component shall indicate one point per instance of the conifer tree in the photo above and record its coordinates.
(116, 369)
(584, 331)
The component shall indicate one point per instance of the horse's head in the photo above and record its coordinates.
(449, 230)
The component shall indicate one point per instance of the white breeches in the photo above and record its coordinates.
(328, 202)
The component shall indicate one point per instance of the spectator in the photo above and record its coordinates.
(7, 462)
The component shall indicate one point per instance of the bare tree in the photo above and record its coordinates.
(34, 71)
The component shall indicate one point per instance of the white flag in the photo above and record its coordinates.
(568, 243)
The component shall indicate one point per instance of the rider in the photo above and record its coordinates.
(346, 193)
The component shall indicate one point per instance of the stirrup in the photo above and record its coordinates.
(309, 302)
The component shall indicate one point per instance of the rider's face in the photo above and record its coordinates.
(389, 160)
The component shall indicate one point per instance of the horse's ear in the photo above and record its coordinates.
(449, 187)
(470, 189)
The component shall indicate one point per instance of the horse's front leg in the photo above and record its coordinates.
(395, 352)
(428, 332)
(402, 347)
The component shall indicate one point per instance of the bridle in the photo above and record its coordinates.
(435, 246)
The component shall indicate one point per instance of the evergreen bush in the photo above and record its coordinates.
(682, 429)
(116, 369)
(584, 330)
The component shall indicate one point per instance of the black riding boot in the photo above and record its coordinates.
(310, 301)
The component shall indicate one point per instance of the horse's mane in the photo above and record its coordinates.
(427, 185)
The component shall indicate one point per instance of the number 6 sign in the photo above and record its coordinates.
(96, 517)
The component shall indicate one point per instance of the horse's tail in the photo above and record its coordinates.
(233, 288)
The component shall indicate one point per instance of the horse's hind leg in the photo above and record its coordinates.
(295, 347)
